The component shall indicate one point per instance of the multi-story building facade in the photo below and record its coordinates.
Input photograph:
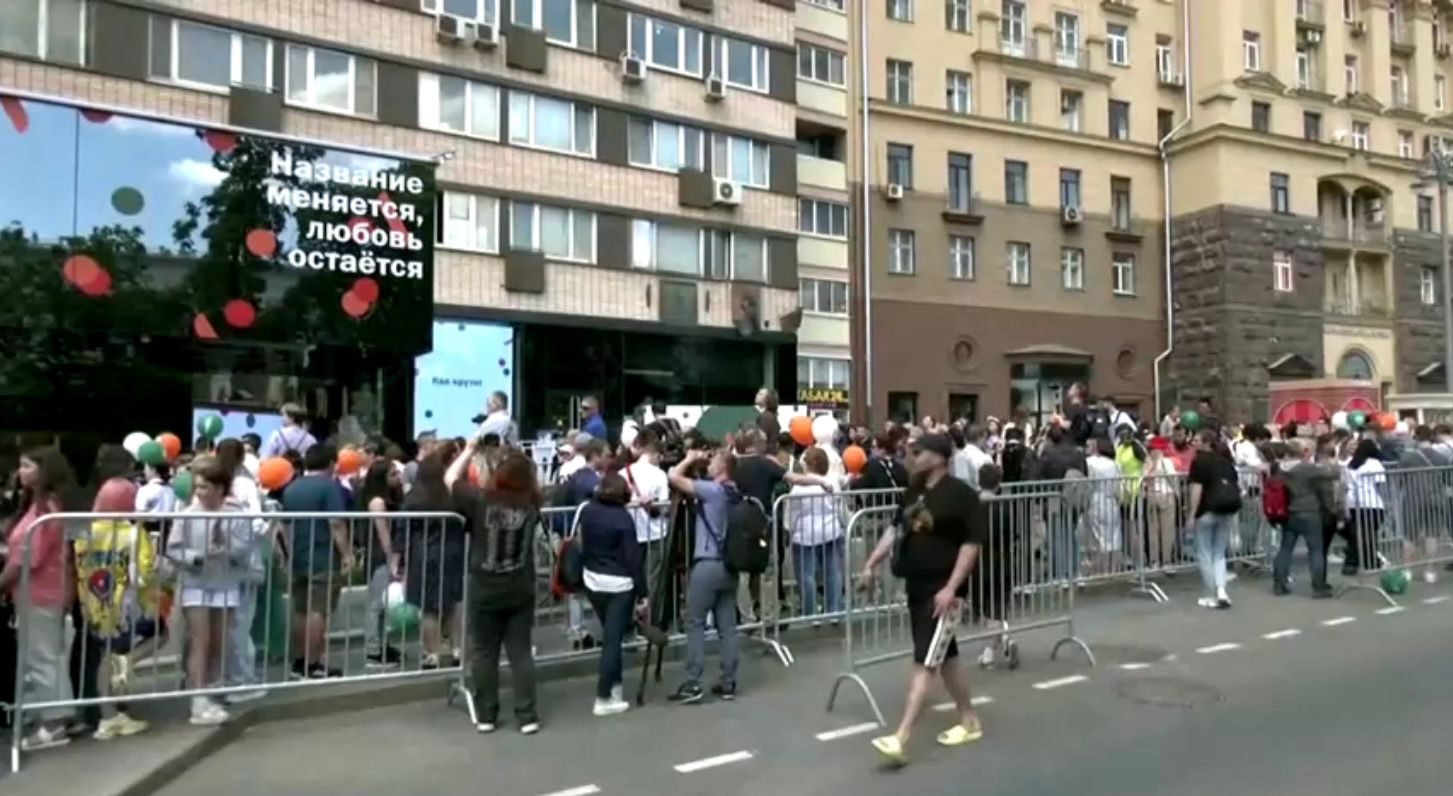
(617, 179)
(1303, 249)
(1013, 202)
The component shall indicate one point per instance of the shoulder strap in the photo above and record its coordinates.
(888, 470)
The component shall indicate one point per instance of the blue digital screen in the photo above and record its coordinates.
(470, 360)
(236, 422)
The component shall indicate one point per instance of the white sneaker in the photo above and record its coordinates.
(1206, 602)
(119, 726)
(617, 693)
(611, 707)
(45, 738)
(207, 713)
(986, 658)
(1223, 600)
(530, 729)
(1429, 576)
(485, 727)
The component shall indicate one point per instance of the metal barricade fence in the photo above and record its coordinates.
(1020, 583)
(227, 606)
(1397, 527)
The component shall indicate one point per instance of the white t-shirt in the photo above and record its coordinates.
(968, 462)
(814, 521)
(245, 492)
(575, 465)
(1363, 485)
(649, 485)
(1246, 455)
(608, 584)
(155, 497)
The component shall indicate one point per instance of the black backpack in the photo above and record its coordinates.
(746, 548)
(1099, 422)
(1223, 496)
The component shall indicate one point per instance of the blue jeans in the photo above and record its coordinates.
(826, 560)
(241, 652)
(613, 609)
(710, 589)
(1305, 526)
(1213, 532)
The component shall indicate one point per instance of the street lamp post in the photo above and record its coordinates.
(1439, 169)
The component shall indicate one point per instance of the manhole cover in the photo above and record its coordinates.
(1127, 653)
(1167, 692)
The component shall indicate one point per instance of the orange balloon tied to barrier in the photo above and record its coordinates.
(854, 459)
(171, 445)
(349, 460)
(274, 473)
(800, 427)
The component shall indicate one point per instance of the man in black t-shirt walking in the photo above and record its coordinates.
(944, 526)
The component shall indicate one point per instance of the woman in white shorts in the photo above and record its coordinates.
(213, 558)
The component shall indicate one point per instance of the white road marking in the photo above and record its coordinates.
(1063, 681)
(944, 707)
(713, 762)
(583, 790)
(844, 732)
(1288, 633)
(1341, 620)
(1392, 609)
(1435, 600)
(1215, 648)
(1134, 667)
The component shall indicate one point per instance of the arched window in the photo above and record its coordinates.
(1355, 365)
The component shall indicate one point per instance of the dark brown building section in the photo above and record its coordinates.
(951, 357)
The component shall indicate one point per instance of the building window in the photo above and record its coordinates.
(901, 245)
(820, 64)
(1282, 280)
(470, 222)
(665, 145)
(956, 15)
(900, 82)
(1349, 8)
(900, 165)
(903, 406)
(960, 181)
(1165, 61)
(560, 233)
(477, 10)
(1405, 144)
(669, 248)
(1428, 285)
(1440, 93)
(901, 10)
(330, 80)
(744, 65)
(961, 257)
(1165, 122)
(201, 55)
(1120, 203)
(1016, 182)
(1281, 202)
(1250, 51)
(836, 5)
(1072, 268)
(455, 105)
(1122, 272)
(1072, 110)
(824, 296)
(748, 256)
(1012, 27)
(1397, 80)
(666, 45)
(549, 123)
(1425, 214)
(1119, 120)
(1312, 126)
(823, 218)
(1304, 68)
(741, 160)
(1016, 101)
(1361, 136)
(958, 98)
(1349, 73)
(1117, 45)
(821, 373)
(51, 30)
(1017, 262)
(567, 22)
(1066, 39)
(1261, 117)
(1069, 188)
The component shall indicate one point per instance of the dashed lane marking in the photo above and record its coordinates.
(1392, 609)
(1061, 682)
(1288, 633)
(845, 732)
(944, 707)
(1435, 600)
(583, 790)
(713, 762)
(1215, 648)
(1134, 666)
(1341, 620)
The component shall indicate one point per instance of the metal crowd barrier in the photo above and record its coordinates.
(1398, 525)
(145, 582)
(1022, 583)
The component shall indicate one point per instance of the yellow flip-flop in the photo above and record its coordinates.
(960, 734)
(891, 749)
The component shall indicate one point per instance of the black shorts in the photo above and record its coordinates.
(923, 624)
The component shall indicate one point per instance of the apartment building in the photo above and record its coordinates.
(824, 115)
(1014, 202)
(1305, 256)
(616, 181)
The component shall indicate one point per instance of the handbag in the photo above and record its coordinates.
(568, 575)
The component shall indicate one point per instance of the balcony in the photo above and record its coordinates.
(1403, 38)
(1401, 100)
(828, 22)
(1029, 49)
(1126, 7)
(1312, 82)
(1363, 307)
(822, 252)
(822, 173)
(1310, 14)
(1338, 231)
(822, 98)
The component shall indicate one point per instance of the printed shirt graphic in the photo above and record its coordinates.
(114, 568)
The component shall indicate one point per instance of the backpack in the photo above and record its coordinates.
(1274, 500)
(1223, 496)
(1099, 422)
(746, 547)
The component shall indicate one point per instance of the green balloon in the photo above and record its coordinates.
(1357, 419)
(182, 485)
(210, 426)
(403, 619)
(151, 452)
(1395, 581)
(1190, 420)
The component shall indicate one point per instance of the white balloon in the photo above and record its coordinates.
(1404, 427)
(629, 432)
(394, 595)
(134, 441)
(1339, 420)
(824, 428)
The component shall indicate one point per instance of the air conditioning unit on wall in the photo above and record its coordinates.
(633, 69)
(726, 192)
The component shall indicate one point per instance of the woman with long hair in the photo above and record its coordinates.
(1216, 496)
(431, 553)
(39, 561)
(241, 668)
(615, 581)
(504, 516)
(1366, 482)
(381, 493)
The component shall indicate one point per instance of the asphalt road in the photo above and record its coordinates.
(1184, 701)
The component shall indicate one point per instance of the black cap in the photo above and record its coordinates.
(935, 443)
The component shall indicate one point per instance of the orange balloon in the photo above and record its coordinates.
(800, 427)
(349, 460)
(473, 474)
(171, 445)
(854, 459)
(274, 473)
(1386, 421)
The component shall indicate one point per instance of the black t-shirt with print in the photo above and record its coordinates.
(938, 521)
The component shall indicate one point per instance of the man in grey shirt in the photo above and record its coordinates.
(710, 588)
(1310, 499)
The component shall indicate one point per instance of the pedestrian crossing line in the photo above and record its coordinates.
(713, 762)
(583, 790)
(845, 732)
(1134, 666)
(1393, 609)
(1060, 682)
(1215, 648)
(1288, 633)
(1435, 600)
(1341, 620)
(945, 707)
